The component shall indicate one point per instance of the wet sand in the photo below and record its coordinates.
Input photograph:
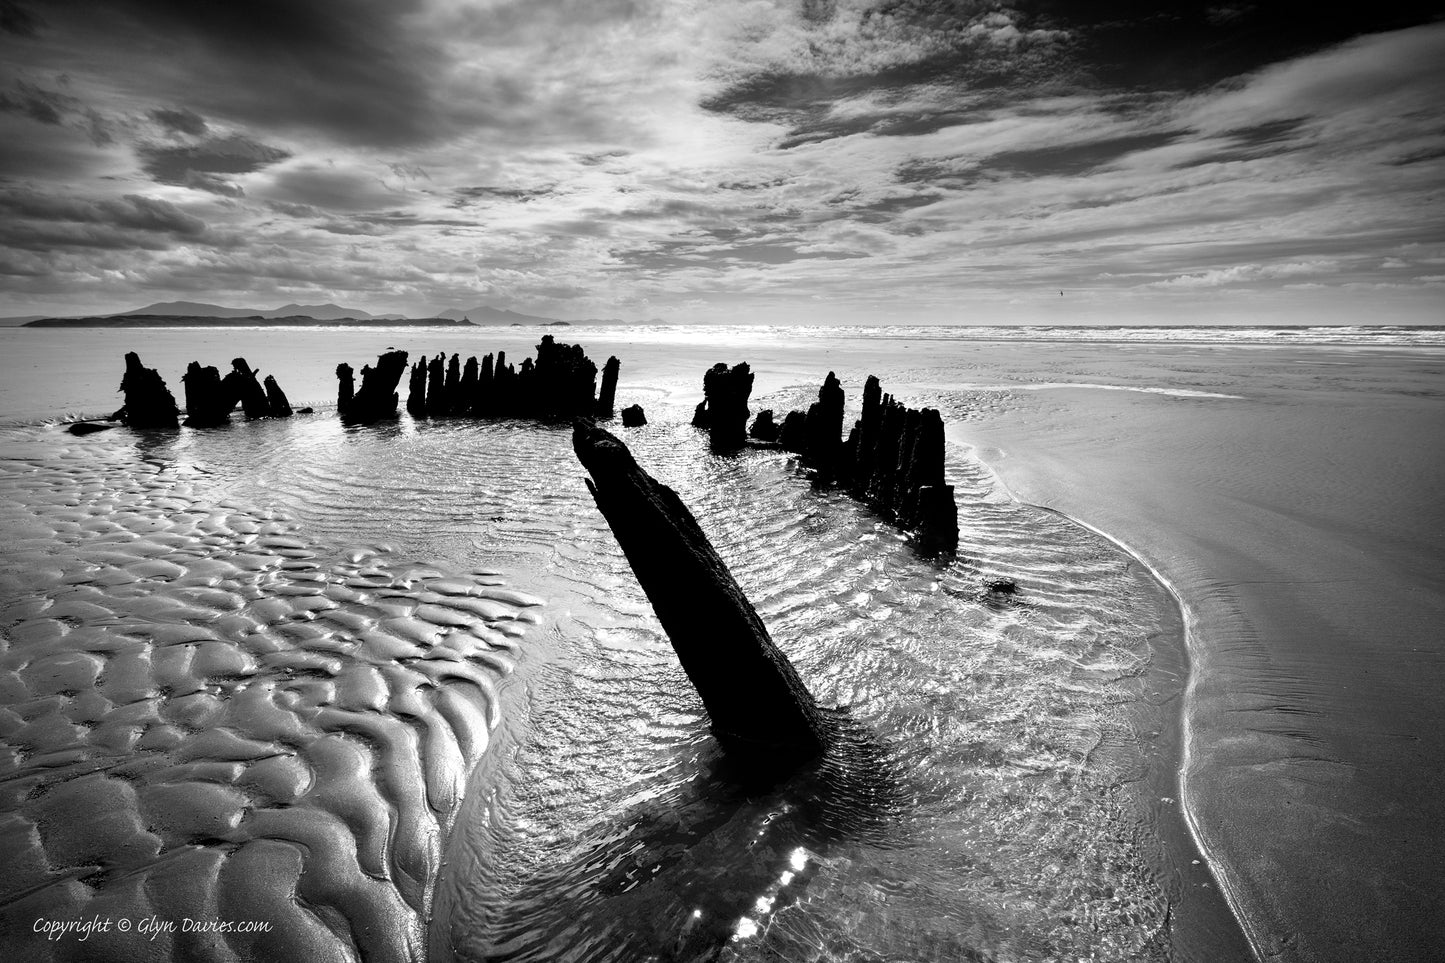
(208, 717)
(1300, 522)
(1287, 495)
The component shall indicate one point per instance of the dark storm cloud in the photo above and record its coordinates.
(350, 67)
(17, 19)
(806, 97)
(967, 48)
(1419, 157)
(986, 53)
(1185, 46)
(45, 106)
(56, 109)
(817, 125)
(38, 222)
(180, 120)
(130, 211)
(197, 165)
(1070, 159)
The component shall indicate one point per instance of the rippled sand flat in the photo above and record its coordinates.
(302, 712)
(207, 715)
(1031, 808)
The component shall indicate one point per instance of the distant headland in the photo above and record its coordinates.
(255, 320)
(190, 314)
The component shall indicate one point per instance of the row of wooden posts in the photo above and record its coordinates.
(210, 398)
(892, 459)
(560, 383)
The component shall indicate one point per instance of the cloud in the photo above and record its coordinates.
(212, 183)
(1248, 274)
(129, 211)
(857, 155)
(37, 222)
(45, 106)
(56, 109)
(332, 187)
(180, 120)
(355, 68)
(195, 164)
(1391, 73)
(16, 19)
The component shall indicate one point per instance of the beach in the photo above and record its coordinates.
(1207, 730)
(1299, 521)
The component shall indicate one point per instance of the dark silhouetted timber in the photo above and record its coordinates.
(563, 382)
(764, 428)
(346, 386)
(633, 417)
(86, 427)
(892, 460)
(276, 401)
(148, 402)
(377, 398)
(761, 712)
(210, 398)
(823, 429)
(416, 390)
(436, 386)
(558, 385)
(208, 401)
(792, 436)
(724, 408)
(452, 387)
(607, 395)
(241, 382)
(466, 395)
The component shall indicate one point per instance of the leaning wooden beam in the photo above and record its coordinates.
(761, 712)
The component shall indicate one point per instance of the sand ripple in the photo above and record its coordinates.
(207, 716)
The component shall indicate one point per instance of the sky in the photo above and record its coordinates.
(728, 161)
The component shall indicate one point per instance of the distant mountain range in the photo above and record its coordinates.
(194, 310)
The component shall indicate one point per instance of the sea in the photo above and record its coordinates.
(391, 692)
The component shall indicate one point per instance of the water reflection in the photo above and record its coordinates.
(706, 863)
